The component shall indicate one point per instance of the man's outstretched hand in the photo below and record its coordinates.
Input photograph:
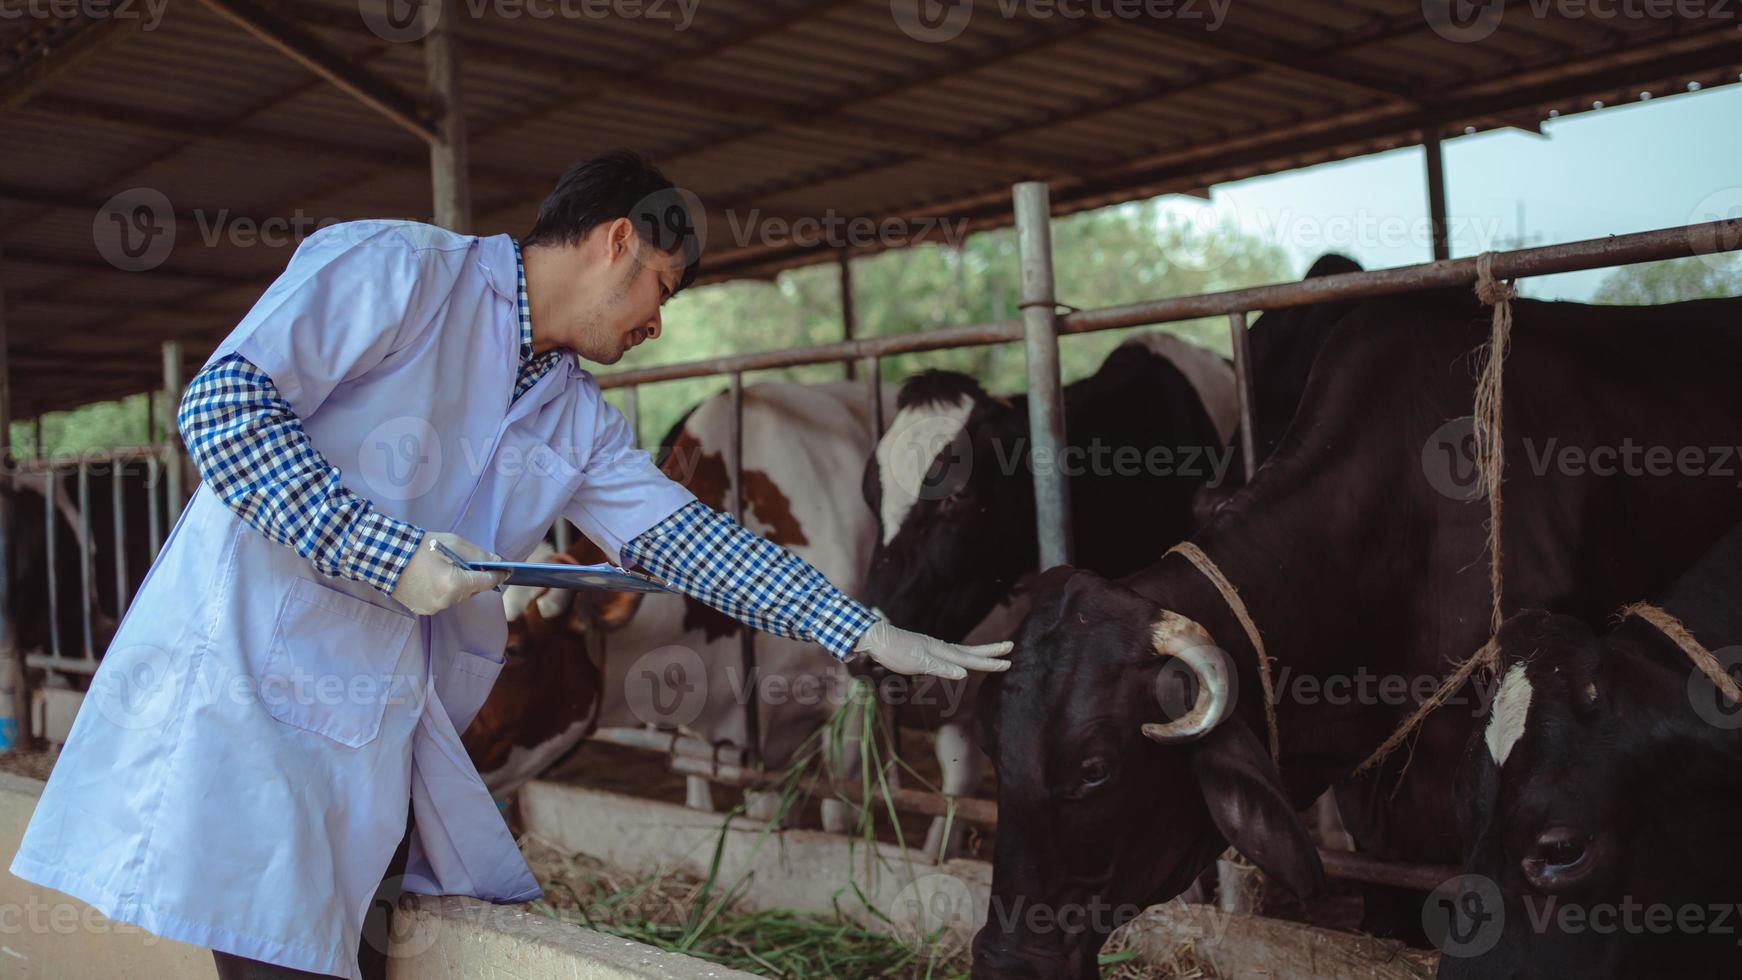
(913, 653)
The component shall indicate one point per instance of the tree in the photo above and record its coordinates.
(1673, 280)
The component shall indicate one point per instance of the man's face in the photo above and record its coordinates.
(618, 286)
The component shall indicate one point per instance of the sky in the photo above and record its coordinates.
(1669, 161)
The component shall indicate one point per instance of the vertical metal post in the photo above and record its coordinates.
(171, 434)
(50, 482)
(120, 517)
(84, 546)
(1242, 344)
(15, 722)
(448, 164)
(849, 313)
(1436, 193)
(36, 426)
(154, 509)
(747, 636)
(1046, 411)
(874, 393)
(150, 418)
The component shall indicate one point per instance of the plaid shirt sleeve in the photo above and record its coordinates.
(710, 557)
(251, 449)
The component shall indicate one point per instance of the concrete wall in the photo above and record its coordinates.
(45, 935)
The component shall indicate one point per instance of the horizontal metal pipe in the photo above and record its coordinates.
(1350, 866)
(71, 665)
(94, 457)
(1647, 246)
(1344, 865)
(670, 743)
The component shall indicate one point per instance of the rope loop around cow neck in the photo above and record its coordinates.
(1231, 596)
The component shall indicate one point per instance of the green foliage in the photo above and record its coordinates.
(101, 425)
(1101, 258)
(1673, 280)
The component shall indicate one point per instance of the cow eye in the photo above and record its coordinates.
(1094, 773)
(1559, 858)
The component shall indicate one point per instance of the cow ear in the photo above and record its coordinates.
(1246, 801)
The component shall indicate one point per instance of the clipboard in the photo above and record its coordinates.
(557, 575)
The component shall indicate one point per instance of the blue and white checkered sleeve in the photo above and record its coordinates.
(711, 557)
(252, 451)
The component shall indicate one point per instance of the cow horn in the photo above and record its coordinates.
(1178, 637)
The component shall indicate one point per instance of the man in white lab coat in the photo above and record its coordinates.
(297, 667)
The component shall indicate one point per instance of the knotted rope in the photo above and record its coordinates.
(1203, 564)
(1490, 473)
(1702, 658)
(1490, 452)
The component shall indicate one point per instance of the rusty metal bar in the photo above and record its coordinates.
(450, 180)
(1436, 193)
(849, 311)
(153, 520)
(746, 636)
(874, 393)
(15, 717)
(1046, 406)
(50, 480)
(84, 543)
(1242, 345)
(115, 457)
(119, 515)
(694, 757)
(174, 501)
(1647, 246)
(671, 743)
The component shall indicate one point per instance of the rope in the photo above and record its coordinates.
(1484, 658)
(1490, 454)
(1203, 564)
(1490, 471)
(1702, 658)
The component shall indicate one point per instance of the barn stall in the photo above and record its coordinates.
(160, 168)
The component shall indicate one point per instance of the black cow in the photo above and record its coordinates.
(1601, 799)
(1357, 552)
(954, 493)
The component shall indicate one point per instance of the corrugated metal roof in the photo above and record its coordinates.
(784, 108)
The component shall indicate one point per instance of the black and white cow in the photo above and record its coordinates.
(1359, 551)
(951, 485)
(1598, 807)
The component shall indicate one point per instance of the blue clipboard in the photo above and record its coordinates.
(559, 575)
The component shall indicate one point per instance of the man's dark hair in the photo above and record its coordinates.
(620, 184)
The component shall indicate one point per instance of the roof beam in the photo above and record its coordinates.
(60, 53)
(1265, 54)
(402, 109)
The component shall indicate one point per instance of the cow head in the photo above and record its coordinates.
(1597, 790)
(546, 700)
(1123, 770)
(948, 484)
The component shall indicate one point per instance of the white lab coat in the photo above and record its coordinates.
(239, 775)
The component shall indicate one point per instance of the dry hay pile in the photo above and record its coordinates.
(684, 913)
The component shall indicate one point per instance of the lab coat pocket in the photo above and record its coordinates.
(468, 684)
(329, 666)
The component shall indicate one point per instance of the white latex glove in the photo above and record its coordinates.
(430, 583)
(914, 653)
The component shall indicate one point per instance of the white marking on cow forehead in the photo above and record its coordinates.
(906, 451)
(515, 598)
(1507, 715)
